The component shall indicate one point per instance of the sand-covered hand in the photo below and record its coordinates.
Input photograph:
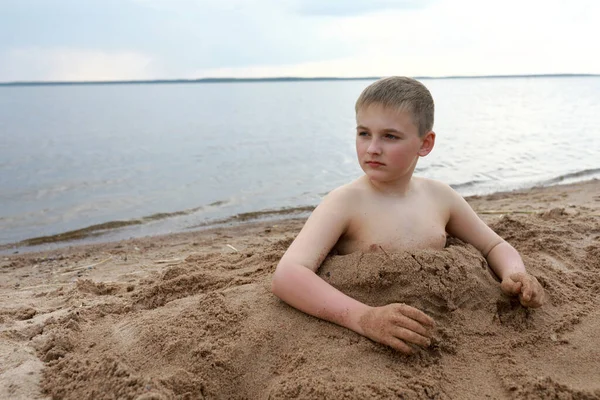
(527, 287)
(397, 326)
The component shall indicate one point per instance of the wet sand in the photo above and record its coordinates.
(190, 316)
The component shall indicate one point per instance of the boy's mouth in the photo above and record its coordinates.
(374, 163)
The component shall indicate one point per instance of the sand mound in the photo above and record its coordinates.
(208, 327)
(437, 282)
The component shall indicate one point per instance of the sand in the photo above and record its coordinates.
(190, 316)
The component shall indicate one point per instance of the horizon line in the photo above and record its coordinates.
(274, 79)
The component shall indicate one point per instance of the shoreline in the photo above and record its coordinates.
(101, 233)
(143, 316)
(85, 236)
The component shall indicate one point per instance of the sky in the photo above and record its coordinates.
(89, 40)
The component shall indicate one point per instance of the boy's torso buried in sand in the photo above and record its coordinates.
(389, 210)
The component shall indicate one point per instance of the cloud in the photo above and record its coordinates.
(355, 7)
(234, 33)
(63, 64)
(361, 65)
(470, 37)
(145, 39)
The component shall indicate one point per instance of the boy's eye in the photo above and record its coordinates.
(363, 133)
(390, 136)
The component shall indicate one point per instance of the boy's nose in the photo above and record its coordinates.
(374, 148)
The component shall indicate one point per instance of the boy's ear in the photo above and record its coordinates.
(427, 144)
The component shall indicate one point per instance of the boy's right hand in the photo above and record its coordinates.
(395, 325)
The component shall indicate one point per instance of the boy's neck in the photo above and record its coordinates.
(396, 188)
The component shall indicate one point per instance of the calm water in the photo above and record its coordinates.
(75, 156)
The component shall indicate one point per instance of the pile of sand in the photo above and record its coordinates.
(208, 327)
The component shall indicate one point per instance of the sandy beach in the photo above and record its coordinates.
(191, 316)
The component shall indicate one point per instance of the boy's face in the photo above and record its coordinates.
(388, 143)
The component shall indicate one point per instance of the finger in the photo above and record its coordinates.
(411, 324)
(527, 289)
(510, 286)
(537, 299)
(411, 337)
(531, 303)
(415, 314)
(399, 345)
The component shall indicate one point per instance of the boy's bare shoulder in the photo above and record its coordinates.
(440, 192)
(349, 193)
(431, 185)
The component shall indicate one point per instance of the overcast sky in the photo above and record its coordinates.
(152, 39)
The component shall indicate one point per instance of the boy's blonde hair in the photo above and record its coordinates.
(402, 94)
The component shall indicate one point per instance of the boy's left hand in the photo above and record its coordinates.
(531, 293)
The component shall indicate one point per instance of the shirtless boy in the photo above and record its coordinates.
(390, 208)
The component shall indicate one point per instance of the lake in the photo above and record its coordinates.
(172, 157)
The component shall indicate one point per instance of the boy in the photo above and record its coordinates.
(388, 207)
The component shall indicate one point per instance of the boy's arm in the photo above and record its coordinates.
(296, 283)
(503, 259)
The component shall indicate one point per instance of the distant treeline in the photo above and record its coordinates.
(278, 79)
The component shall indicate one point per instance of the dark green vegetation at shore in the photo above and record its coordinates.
(275, 79)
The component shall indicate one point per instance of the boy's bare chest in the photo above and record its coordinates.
(411, 226)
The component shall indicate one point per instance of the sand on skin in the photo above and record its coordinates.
(186, 316)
